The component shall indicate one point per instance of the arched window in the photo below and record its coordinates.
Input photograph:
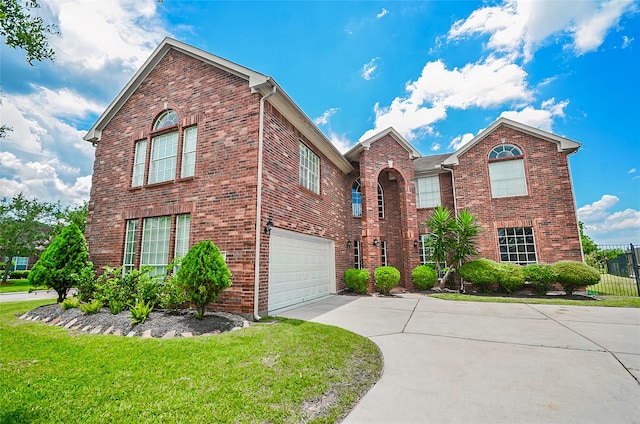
(356, 199)
(168, 119)
(506, 171)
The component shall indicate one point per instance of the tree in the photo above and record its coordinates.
(72, 214)
(204, 274)
(452, 239)
(25, 227)
(64, 264)
(588, 245)
(24, 30)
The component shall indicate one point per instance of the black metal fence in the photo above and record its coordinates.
(619, 270)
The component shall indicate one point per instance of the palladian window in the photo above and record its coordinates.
(506, 171)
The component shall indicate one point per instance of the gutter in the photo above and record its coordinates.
(256, 271)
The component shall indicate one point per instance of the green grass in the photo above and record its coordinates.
(18, 286)
(614, 285)
(611, 301)
(263, 374)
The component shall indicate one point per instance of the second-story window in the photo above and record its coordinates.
(309, 169)
(506, 171)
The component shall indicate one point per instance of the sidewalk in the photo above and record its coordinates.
(466, 362)
(21, 296)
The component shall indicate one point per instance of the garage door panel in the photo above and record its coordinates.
(301, 268)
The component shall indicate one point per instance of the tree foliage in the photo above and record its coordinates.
(452, 239)
(23, 29)
(204, 275)
(64, 264)
(588, 245)
(25, 226)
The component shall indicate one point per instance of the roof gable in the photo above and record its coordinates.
(257, 82)
(563, 144)
(354, 153)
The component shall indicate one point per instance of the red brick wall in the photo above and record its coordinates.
(548, 207)
(222, 195)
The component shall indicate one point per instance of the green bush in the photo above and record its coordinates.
(424, 277)
(204, 275)
(91, 307)
(541, 277)
(357, 280)
(140, 312)
(572, 274)
(483, 273)
(70, 302)
(387, 277)
(149, 290)
(510, 277)
(173, 296)
(64, 264)
(19, 275)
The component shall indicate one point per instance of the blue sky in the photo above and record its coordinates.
(439, 72)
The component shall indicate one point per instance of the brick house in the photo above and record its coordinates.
(196, 147)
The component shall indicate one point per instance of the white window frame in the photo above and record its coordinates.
(189, 144)
(130, 245)
(356, 198)
(156, 233)
(139, 162)
(517, 245)
(164, 154)
(428, 192)
(357, 254)
(425, 252)
(183, 223)
(383, 253)
(380, 202)
(508, 178)
(309, 169)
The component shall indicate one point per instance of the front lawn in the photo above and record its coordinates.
(285, 372)
(613, 301)
(18, 286)
(614, 285)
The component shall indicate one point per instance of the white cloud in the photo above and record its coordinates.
(324, 119)
(606, 227)
(342, 143)
(521, 26)
(369, 68)
(539, 118)
(382, 13)
(626, 41)
(461, 140)
(490, 83)
(435, 147)
(632, 171)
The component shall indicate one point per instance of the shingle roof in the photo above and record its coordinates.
(430, 163)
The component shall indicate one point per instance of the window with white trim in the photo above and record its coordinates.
(139, 160)
(517, 245)
(357, 254)
(190, 137)
(182, 235)
(428, 192)
(130, 245)
(164, 155)
(506, 172)
(309, 169)
(155, 243)
(356, 199)
(383, 253)
(425, 250)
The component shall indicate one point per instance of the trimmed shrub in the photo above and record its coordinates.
(387, 277)
(204, 275)
(149, 290)
(357, 280)
(424, 277)
(19, 275)
(572, 274)
(483, 273)
(541, 277)
(173, 295)
(510, 277)
(64, 264)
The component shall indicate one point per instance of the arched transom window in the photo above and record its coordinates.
(356, 199)
(506, 171)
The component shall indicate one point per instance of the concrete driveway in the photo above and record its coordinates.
(465, 362)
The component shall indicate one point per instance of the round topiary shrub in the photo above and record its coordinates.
(424, 277)
(387, 277)
(572, 274)
(511, 277)
(357, 280)
(541, 277)
(483, 273)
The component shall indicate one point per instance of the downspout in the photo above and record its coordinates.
(453, 187)
(256, 271)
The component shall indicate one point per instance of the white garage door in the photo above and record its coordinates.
(301, 268)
